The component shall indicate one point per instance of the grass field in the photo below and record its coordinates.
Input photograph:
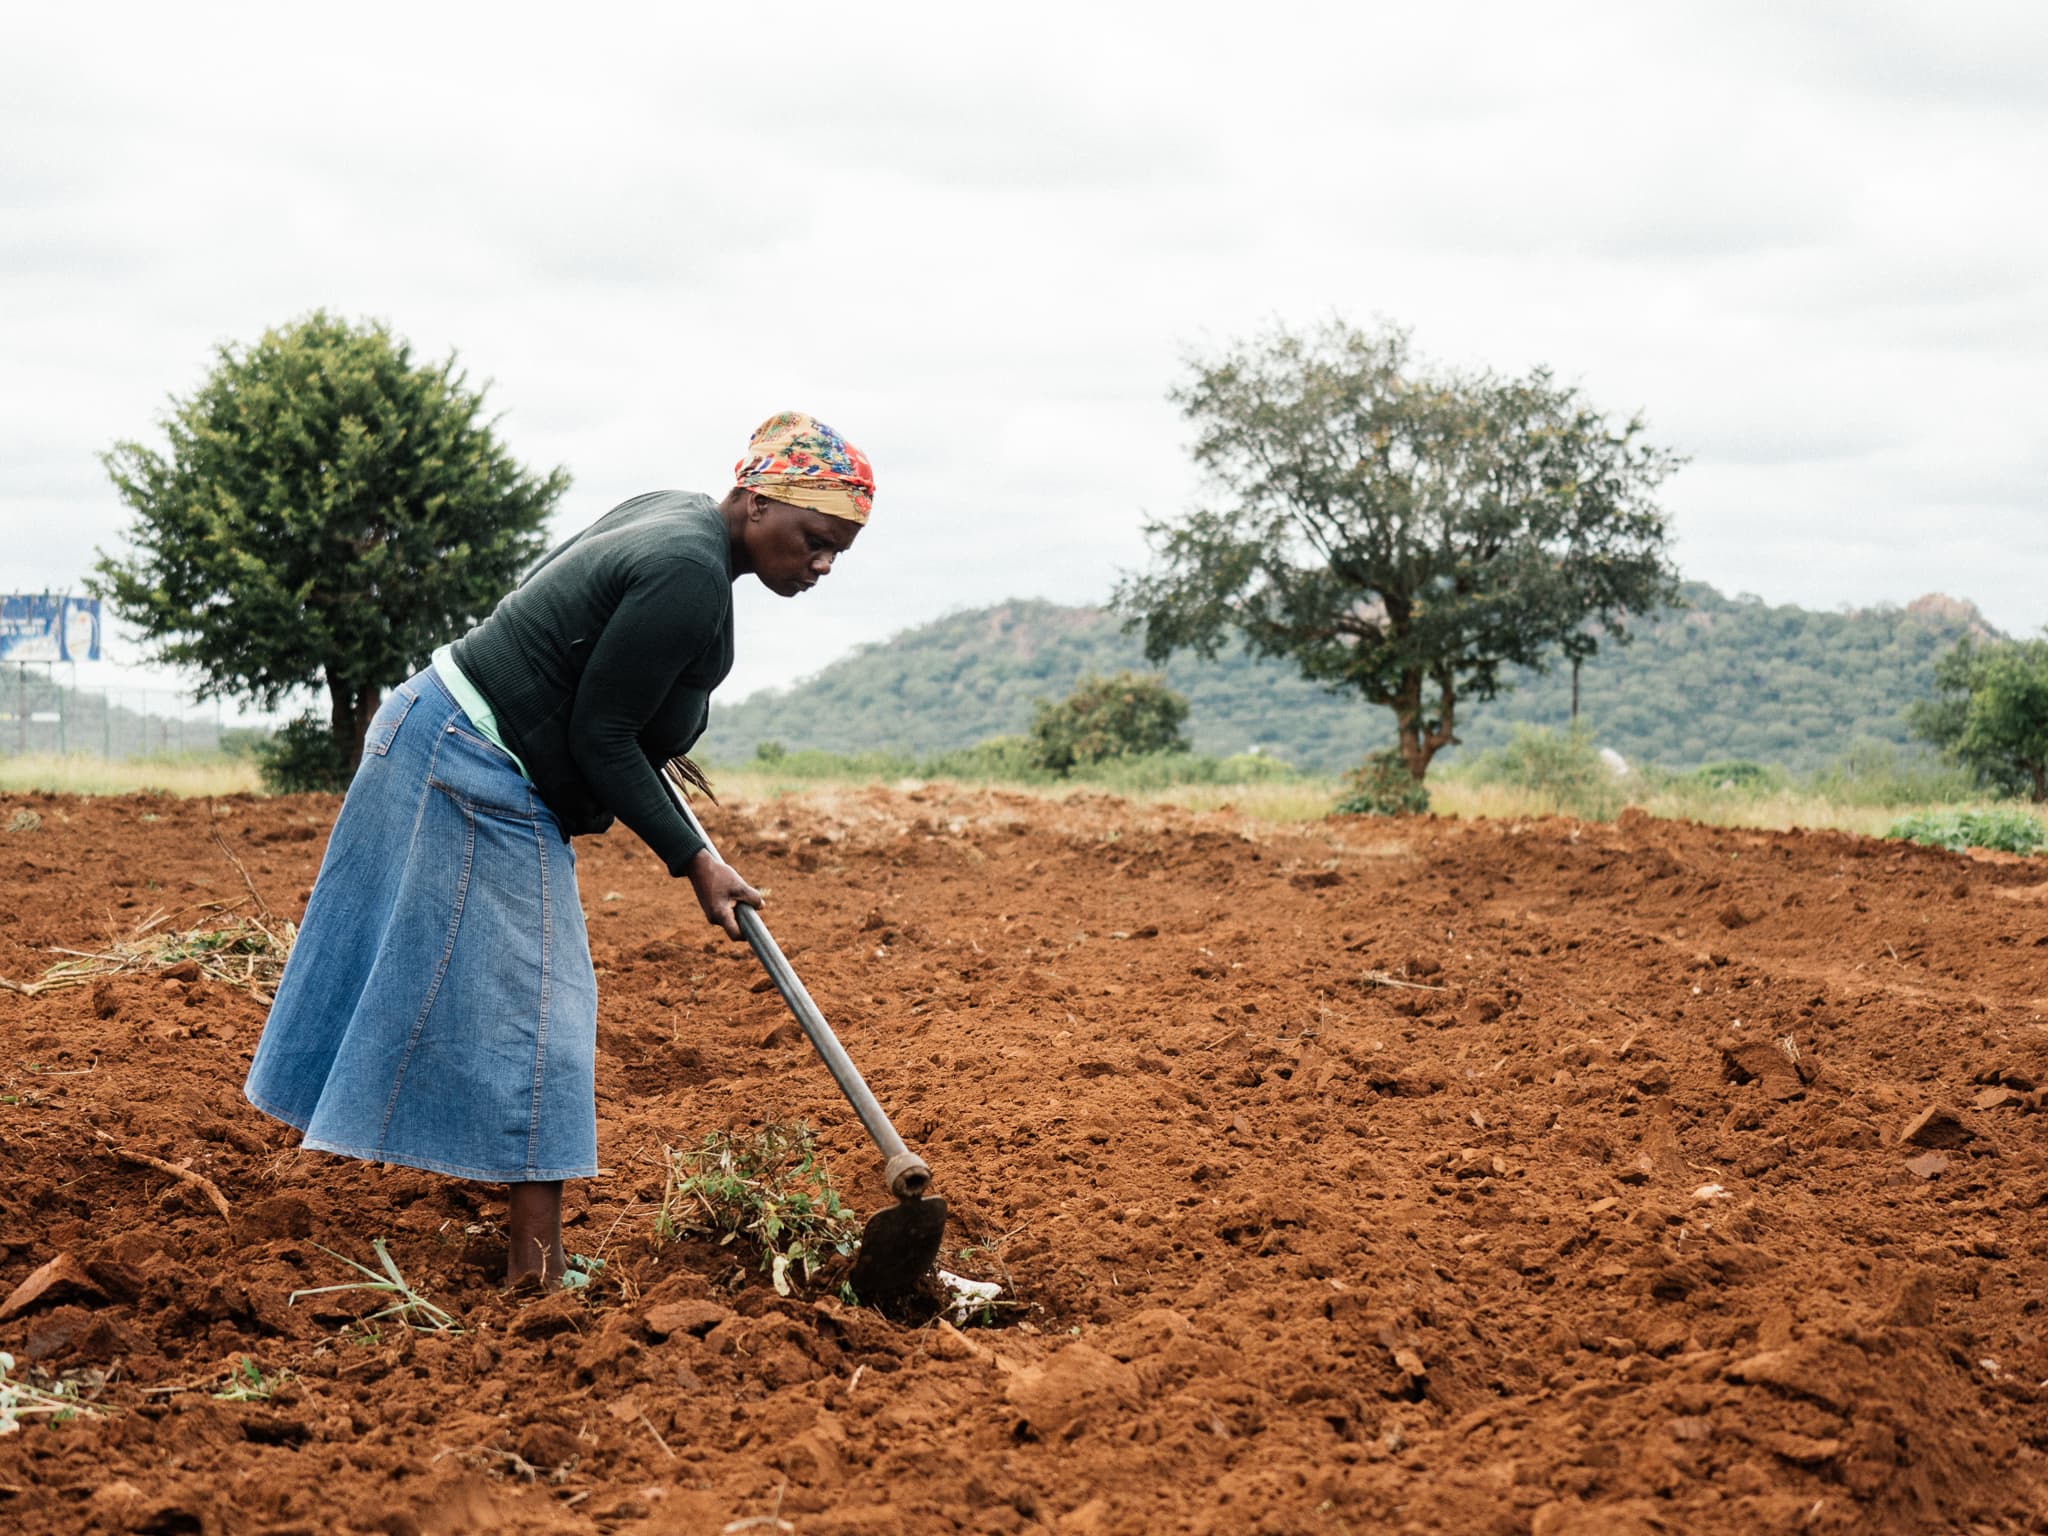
(82, 775)
(1272, 800)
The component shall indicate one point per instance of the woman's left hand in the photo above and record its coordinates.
(719, 890)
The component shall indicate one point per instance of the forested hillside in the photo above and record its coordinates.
(1717, 678)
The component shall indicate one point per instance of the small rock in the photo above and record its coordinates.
(1995, 1098)
(1928, 1165)
(1936, 1126)
(785, 1033)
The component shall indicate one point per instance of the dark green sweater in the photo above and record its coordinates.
(599, 665)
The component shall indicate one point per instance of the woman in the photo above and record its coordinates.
(440, 1009)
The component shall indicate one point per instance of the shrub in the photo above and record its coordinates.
(1010, 758)
(302, 758)
(1254, 768)
(1564, 768)
(1108, 717)
(1382, 786)
(816, 763)
(1739, 775)
(2008, 830)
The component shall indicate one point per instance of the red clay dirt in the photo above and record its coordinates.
(1411, 1176)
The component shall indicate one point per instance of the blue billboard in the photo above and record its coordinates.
(49, 626)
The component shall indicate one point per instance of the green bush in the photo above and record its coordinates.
(811, 763)
(1143, 771)
(1382, 786)
(2007, 830)
(1108, 717)
(770, 752)
(1254, 768)
(1563, 767)
(1012, 759)
(242, 740)
(302, 758)
(1740, 775)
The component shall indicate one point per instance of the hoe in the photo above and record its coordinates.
(901, 1243)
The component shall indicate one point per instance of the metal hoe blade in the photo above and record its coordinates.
(897, 1247)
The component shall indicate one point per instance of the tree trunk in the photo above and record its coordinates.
(349, 713)
(1417, 745)
(2040, 772)
(1576, 664)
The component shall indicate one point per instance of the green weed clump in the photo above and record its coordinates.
(769, 1186)
(2004, 829)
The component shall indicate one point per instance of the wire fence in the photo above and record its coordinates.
(43, 715)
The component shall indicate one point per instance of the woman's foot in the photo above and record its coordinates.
(536, 1235)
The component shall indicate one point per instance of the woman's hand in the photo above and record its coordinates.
(719, 889)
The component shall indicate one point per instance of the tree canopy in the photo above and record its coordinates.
(1402, 532)
(327, 512)
(1990, 712)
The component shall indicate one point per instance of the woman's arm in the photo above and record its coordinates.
(669, 614)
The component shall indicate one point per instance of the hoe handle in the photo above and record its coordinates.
(906, 1173)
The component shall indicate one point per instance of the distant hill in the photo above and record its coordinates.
(1716, 678)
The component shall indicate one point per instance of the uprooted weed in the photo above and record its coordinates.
(239, 951)
(769, 1186)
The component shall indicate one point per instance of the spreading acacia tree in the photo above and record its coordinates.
(1990, 712)
(327, 511)
(1402, 531)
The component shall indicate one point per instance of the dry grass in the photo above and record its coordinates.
(1295, 802)
(247, 951)
(1778, 810)
(81, 775)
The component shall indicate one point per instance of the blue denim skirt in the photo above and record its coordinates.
(439, 1009)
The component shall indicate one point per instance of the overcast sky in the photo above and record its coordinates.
(1807, 240)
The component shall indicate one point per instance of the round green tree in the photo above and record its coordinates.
(325, 513)
(1108, 717)
(1990, 712)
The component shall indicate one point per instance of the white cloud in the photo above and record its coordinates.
(1801, 237)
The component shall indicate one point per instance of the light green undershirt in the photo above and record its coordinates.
(474, 705)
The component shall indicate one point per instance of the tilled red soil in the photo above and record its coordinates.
(1374, 1176)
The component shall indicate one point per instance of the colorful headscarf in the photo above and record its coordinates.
(798, 459)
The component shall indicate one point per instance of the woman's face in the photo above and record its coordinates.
(792, 548)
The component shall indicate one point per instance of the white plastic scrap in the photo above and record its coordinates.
(966, 1297)
(1711, 1192)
